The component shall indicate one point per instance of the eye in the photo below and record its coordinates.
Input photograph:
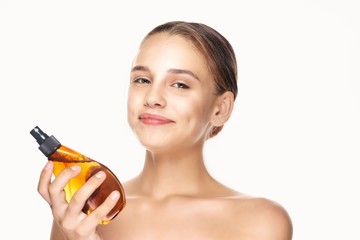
(181, 85)
(142, 81)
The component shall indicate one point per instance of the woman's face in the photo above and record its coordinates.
(171, 94)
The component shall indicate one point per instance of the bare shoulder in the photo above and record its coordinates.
(262, 218)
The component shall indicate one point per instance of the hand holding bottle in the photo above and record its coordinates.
(64, 157)
(84, 192)
(71, 221)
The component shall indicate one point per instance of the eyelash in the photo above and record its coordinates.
(147, 81)
(183, 86)
(142, 81)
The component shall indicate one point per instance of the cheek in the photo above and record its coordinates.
(194, 110)
(134, 98)
(132, 104)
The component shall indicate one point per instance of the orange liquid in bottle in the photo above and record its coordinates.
(64, 157)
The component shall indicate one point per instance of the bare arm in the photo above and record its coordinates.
(56, 233)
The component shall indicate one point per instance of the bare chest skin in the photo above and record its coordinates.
(176, 218)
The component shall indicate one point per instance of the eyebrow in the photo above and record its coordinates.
(172, 70)
(139, 68)
(182, 71)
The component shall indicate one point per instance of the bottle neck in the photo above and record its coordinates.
(49, 146)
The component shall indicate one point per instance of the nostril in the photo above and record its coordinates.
(154, 100)
(153, 104)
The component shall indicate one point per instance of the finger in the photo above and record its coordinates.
(99, 214)
(56, 188)
(79, 199)
(45, 180)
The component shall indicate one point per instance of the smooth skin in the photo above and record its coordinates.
(172, 107)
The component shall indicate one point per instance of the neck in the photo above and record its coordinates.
(173, 174)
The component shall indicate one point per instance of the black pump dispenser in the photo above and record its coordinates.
(48, 145)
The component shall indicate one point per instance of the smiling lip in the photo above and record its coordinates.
(152, 119)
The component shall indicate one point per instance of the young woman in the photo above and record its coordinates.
(183, 84)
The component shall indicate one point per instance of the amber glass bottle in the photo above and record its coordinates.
(64, 157)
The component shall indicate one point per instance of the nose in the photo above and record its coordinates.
(155, 97)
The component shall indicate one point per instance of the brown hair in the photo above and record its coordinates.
(214, 47)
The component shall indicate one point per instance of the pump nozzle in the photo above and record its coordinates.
(48, 145)
(39, 135)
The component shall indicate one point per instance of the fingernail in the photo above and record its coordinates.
(75, 167)
(115, 195)
(47, 165)
(99, 174)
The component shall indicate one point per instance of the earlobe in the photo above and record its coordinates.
(223, 110)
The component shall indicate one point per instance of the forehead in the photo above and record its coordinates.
(170, 51)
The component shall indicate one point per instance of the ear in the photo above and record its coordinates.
(223, 109)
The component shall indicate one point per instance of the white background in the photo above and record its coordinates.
(294, 135)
